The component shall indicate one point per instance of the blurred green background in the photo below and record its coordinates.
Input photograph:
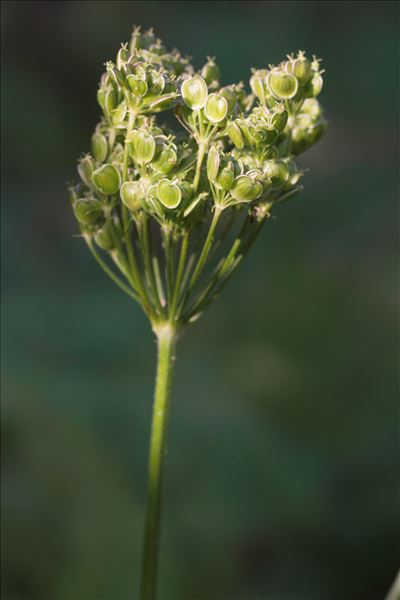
(283, 459)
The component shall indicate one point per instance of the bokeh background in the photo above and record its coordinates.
(283, 474)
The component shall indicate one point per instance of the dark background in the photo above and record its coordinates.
(283, 458)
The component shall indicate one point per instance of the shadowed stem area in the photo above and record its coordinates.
(166, 338)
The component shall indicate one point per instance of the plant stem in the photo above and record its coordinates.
(166, 338)
(109, 272)
(206, 248)
(200, 157)
(179, 275)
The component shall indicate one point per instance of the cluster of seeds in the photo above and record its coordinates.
(161, 202)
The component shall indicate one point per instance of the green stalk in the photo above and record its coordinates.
(108, 271)
(179, 275)
(166, 338)
(200, 158)
(206, 248)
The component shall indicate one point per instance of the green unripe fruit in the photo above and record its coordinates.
(85, 170)
(155, 82)
(245, 189)
(278, 171)
(194, 92)
(282, 85)
(169, 193)
(230, 96)
(235, 135)
(137, 86)
(132, 193)
(257, 84)
(311, 107)
(212, 163)
(314, 87)
(300, 67)
(110, 102)
(165, 160)
(216, 108)
(210, 72)
(88, 212)
(143, 145)
(104, 238)
(99, 147)
(163, 102)
(226, 177)
(279, 121)
(107, 179)
(119, 114)
(263, 135)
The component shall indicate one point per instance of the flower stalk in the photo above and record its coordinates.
(169, 215)
(166, 339)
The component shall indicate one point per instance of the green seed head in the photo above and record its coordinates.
(107, 179)
(85, 169)
(210, 72)
(88, 211)
(169, 194)
(194, 92)
(104, 238)
(132, 193)
(216, 108)
(246, 189)
(143, 146)
(213, 161)
(99, 147)
(282, 85)
(235, 134)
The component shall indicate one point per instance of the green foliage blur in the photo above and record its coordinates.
(283, 466)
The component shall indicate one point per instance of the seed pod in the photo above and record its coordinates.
(155, 82)
(137, 86)
(101, 97)
(278, 171)
(99, 146)
(282, 85)
(85, 170)
(230, 96)
(169, 193)
(212, 163)
(216, 108)
(122, 56)
(194, 92)
(107, 179)
(312, 107)
(87, 211)
(279, 120)
(210, 72)
(132, 193)
(300, 67)
(263, 135)
(165, 160)
(104, 238)
(245, 189)
(143, 146)
(226, 177)
(163, 102)
(314, 87)
(257, 84)
(119, 114)
(110, 102)
(235, 135)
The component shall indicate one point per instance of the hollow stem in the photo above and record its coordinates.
(166, 338)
